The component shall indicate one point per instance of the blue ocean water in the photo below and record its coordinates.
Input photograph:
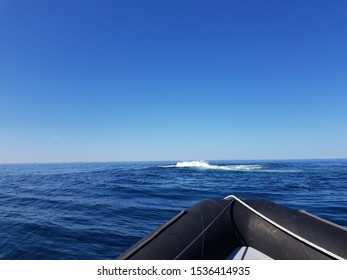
(98, 210)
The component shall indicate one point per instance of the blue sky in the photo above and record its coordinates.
(172, 80)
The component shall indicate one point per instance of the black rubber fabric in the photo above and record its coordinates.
(184, 237)
(277, 244)
(212, 229)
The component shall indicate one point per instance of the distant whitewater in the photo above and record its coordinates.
(204, 165)
(199, 164)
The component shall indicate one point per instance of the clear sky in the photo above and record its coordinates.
(172, 80)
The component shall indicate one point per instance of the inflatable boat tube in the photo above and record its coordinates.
(235, 229)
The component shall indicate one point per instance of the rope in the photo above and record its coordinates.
(284, 229)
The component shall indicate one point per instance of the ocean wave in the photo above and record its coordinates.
(199, 164)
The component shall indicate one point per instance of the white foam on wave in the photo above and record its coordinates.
(205, 165)
(245, 167)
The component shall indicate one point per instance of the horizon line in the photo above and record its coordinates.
(172, 160)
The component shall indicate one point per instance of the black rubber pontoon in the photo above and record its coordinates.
(217, 229)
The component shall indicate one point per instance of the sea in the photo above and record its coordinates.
(95, 211)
